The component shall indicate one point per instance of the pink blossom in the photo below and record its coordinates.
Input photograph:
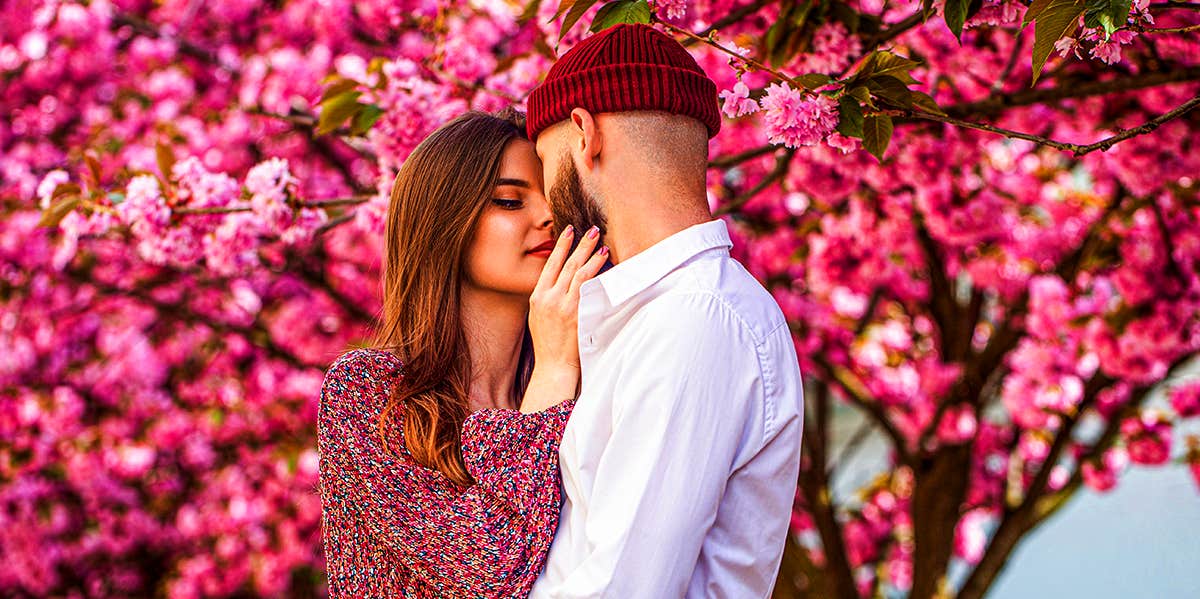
(1102, 476)
(796, 119)
(738, 101)
(1147, 438)
(46, 188)
(957, 425)
(144, 206)
(842, 143)
(970, 538)
(672, 9)
(1109, 50)
(270, 185)
(833, 49)
(1185, 398)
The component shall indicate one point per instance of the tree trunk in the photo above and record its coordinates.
(939, 488)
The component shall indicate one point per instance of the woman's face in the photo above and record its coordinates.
(513, 237)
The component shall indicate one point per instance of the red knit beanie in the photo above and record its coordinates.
(624, 67)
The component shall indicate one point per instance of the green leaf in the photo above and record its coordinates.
(365, 119)
(336, 87)
(861, 93)
(94, 170)
(877, 134)
(64, 200)
(1035, 9)
(926, 9)
(577, 9)
(894, 65)
(1059, 19)
(336, 110)
(891, 90)
(926, 102)
(531, 10)
(166, 159)
(814, 80)
(956, 15)
(867, 68)
(1107, 14)
(850, 117)
(621, 11)
(563, 7)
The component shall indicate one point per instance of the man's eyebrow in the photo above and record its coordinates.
(514, 182)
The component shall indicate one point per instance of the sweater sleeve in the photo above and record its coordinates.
(477, 541)
(514, 455)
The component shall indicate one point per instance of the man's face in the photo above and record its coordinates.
(569, 203)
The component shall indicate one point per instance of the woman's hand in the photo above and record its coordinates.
(553, 319)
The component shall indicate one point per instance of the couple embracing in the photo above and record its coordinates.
(611, 411)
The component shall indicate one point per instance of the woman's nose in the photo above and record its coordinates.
(546, 218)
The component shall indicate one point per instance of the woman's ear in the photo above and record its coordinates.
(589, 139)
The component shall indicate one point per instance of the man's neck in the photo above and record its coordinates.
(644, 219)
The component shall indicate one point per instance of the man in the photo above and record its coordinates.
(680, 460)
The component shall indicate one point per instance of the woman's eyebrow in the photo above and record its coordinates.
(514, 182)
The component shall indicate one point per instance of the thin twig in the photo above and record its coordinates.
(895, 30)
(1076, 149)
(211, 210)
(781, 166)
(877, 412)
(852, 446)
(321, 230)
(728, 20)
(1080, 89)
(746, 59)
(335, 202)
(1141, 29)
(1012, 62)
(1173, 5)
(740, 157)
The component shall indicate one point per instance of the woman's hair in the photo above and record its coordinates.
(439, 193)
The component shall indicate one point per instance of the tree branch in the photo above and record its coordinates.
(781, 167)
(1076, 149)
(1080, 89)
(852, 390)
(735, 159)
(730, 19)
(1174, 4)
(815, 487)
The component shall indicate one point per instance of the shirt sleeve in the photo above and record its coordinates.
(464, 542)
(687, 390)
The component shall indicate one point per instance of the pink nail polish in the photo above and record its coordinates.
(568, 230)
(593, 232)
(604, 251)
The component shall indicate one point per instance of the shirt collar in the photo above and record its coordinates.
(638, 272)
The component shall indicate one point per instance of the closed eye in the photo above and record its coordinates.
(508, 204)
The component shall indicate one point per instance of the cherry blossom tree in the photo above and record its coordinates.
(980, 218)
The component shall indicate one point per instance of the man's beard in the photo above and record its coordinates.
(571, 205)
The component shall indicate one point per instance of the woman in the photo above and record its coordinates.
(439, 445)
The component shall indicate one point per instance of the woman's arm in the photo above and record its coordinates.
(464, 542)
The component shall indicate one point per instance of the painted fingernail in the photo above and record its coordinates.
(604, 251)
(568, 230)
(593, 232)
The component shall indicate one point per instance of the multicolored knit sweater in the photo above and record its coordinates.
(396, 529)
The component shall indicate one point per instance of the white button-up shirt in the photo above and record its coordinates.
(681, 458)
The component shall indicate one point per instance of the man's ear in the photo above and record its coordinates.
(589, 140)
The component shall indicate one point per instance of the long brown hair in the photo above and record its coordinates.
(439, 193)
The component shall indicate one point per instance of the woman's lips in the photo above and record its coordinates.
(543, 250)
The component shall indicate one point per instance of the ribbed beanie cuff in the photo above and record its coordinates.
(624, 68)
